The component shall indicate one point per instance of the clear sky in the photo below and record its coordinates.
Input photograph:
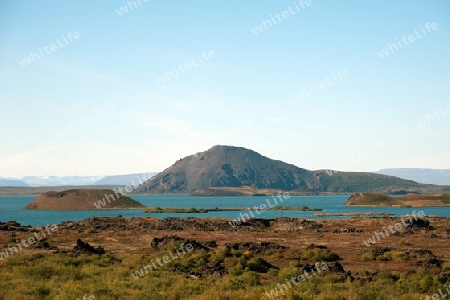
(277, 92)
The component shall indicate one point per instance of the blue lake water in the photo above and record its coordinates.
(11, 208)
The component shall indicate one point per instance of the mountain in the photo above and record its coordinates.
(353, 182)
(11, 182)
(430, 176)
(226, 166)
(128, 179)
(83, 199)
(38, 190)
(60, 181)
(223, 169)
(41, 181)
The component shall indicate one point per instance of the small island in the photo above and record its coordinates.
(356, 214)
(193, 210)
(303, 208)
(83, 199)
(408, 200)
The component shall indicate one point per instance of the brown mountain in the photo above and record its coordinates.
(227, 170)
(83, 199)
(226, 166)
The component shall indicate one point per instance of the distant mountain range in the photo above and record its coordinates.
(222, 169)
(129, 179)
(12, 182)
(430, 176)
(59, 181)
(38, 181)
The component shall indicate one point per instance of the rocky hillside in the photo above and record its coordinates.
(226, 170)
(353, 182)
(80, 199)
(226, 166)
(375, 199)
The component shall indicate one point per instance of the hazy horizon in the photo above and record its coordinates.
(158, 171)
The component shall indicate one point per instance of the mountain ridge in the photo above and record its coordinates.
(232, 167)
(222, 167)
(421, 175)
(56, 181)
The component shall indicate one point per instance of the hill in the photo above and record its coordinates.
(426, 200)
(226, 166)
(353, 182)
(429, 176)
(79, 199)
(413, 200)
(374, 199)
(227, 170)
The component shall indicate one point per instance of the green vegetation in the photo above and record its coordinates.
(62, 276)
(318, 255)
(353, 182)
(392, 255)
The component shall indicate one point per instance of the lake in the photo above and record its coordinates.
(11, 208)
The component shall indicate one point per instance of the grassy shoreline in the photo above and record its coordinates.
(175, 210)
(355, 214)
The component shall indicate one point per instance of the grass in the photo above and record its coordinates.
(392, 255)
(61, 276)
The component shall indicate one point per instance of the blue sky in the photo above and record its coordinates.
(241, 96)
